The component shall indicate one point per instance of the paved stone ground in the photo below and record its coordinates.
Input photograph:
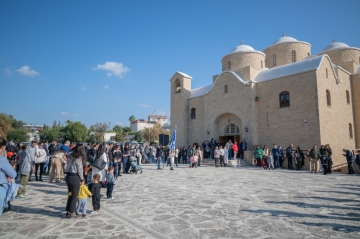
(200, 203)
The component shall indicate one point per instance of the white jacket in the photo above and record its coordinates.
(40, 156)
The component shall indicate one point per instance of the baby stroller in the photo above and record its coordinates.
(134, 167)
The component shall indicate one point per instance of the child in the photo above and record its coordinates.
(270, 161)
(87, 171)
(82, 199)
(191, 161)
(95, 187)
(226, 156)
(324, 161)
(194, 163)
(110, 182)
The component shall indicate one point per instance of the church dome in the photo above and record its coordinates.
(243, 48)
(335, 46)
(284, 39)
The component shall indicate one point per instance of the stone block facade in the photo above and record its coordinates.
(246, 101)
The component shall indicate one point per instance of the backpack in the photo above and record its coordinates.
(324, 160)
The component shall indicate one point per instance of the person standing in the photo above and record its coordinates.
(235, 149)
(31, 150)
(228, 147)
(350, 160)
(56, 165)
(74, 176)
(258, 154)
(101, 154)
(313, 154)
(222, 155)
(159, 155)
(47, 163)
(6, 171)
(330, 162)
(200, 154)
(177, 156)
(281, 157)
(324, 161)
(40, 160)
(289, 155)
(125, 159)
(65, 147)
(299, 158)
(117, 161)
(171, 158)
(184, 155)
(11, 148)
(276, 155)
(216, 156)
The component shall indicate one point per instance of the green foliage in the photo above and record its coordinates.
(75, 131)
(91, 139)
(16, 124)
(5, 125)
(51, 134)
(138, 136)
(154, 133)
(126, 130)
(18, 135)
(99, 130)
(119, 137)
(118, 129)
(132, 119)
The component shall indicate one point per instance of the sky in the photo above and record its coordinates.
(103, 61)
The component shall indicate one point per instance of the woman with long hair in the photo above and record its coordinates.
(299, 158)
(74, 176)
(40, 159)
(125, 158)
(101, 154)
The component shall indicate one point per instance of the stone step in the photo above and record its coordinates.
(231, 163)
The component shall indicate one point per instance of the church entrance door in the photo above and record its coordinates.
(224, 139)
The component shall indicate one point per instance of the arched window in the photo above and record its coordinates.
(350, 131)
(347, 97)
(328, 98)
(226, 89)
(293, 56)
(177, 86)
(284, 98)
(262, 64)
(229, 65)
(274, 60)
(193, 113)
(232, 129)
(327, 74)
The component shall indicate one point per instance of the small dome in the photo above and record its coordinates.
(242, 48)
(334, 46)
(285, 39)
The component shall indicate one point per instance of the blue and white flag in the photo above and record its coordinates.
(173, 139)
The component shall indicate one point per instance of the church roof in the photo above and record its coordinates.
(183, 74)
(285, 39)
(243, 48)
(309, 64)
(200, 91)
(337, 45)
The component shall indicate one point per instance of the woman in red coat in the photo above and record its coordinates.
(235, 149)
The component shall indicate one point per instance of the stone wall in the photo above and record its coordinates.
(355, 86)
(243, 59)
(283, 53)
(340, 56)
(334, 119)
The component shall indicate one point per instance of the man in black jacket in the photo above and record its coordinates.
(350, 160)
(159, 155)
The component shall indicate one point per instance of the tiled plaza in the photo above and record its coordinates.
(206, 202)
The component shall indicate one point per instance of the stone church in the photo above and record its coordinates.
(283, 94)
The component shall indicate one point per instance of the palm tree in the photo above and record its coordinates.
(132, 119)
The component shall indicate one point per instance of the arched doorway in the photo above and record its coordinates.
(228, 126)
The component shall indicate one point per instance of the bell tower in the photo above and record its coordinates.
(180, 91)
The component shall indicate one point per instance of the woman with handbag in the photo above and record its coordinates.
(74, 176)
(101, 158)
(40, 159)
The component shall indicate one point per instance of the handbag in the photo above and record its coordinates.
(99, 163)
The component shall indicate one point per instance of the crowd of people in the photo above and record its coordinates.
(86, 168)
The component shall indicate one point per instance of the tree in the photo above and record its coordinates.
(18, 135)
(54, 125)
(5, 125)
(118, 129)
(154, 133)
(99, 130)
(16, 123)
(51, 134)
(119, 137)
(126, 130)
(132, 119)
(75, 131)
(138, 136)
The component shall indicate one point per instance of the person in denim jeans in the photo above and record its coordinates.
(159, 155)
(276, 155)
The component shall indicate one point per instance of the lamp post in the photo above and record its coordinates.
(149, 124)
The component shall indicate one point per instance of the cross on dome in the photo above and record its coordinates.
(242, 43)
(284, 33)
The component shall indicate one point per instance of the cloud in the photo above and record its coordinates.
(83, 88)
(106, 87)
(78, 115)
(64, 114)
(113, 68)
(26, 71)
(7, 71)
(143, 105)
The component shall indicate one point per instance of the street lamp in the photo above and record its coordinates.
(149, 124)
